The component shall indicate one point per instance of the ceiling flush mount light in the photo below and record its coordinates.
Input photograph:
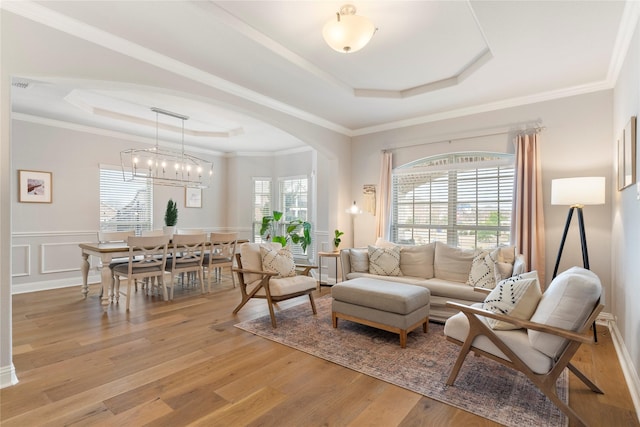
(348, 32)
(164, 166)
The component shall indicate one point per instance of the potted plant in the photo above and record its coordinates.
(336, 239)
(274, 229)
(170, 217)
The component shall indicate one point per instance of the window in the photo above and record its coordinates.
(124, 205)
(462, 199)
(261, 204)
(293, 202)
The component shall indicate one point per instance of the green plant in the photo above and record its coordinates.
(171, 214)
(336, 238)
(276, 230)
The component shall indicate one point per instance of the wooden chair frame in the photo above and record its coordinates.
(304, 270)
(221, 253)
(188, 253)
(545, 382)
(147, 259)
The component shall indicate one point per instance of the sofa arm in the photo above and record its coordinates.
(345, 262)
(519, 265)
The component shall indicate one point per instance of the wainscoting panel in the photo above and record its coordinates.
(20, 260)
(60, 257)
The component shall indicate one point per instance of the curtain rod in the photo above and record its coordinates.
(536, 129)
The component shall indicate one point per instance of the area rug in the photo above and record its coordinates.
(483, 387)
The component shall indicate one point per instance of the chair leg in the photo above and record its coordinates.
(464, 350)
(313, 303)
(201, 278)
(164, 288)
(584, 379)
(116, 291)
(233, 278)
(129, 280)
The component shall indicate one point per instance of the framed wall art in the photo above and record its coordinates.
(627, 155)
(193, 197)
(35, 186)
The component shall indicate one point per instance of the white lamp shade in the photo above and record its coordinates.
(587, 190)
(349, 34)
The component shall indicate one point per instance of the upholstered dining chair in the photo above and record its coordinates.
(220, 254)
(267, 271)
(147, 259)
(540, 347)
(187, 255)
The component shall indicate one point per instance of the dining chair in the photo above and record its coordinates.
(147, 259)
(147, 233)
(115, 237)
(187, 255)
(220, 254)
(189, 231)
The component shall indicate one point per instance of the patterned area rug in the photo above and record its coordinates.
(483, 387)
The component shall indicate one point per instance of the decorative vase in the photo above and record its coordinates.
(169, 230)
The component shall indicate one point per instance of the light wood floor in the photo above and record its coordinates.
(183, 363)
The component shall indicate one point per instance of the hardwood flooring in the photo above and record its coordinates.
(184, 363)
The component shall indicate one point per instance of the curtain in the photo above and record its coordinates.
(528, 217)
(383, 209)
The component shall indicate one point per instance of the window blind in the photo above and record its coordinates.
(261, 204)
(462, 199)
(124, 205)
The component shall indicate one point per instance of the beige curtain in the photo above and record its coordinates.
(383, 204)
(528, 218)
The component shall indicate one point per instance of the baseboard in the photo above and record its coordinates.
(8, 376)
(46, 285)
(628, 369)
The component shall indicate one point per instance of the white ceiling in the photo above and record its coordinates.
(428, 60)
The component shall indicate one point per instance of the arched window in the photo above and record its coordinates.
(462, 199)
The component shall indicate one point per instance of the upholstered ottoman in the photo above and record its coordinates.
(391, 306)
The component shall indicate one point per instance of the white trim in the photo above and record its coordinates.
(27, 257)
(8, 376)
(43, 257)
(45, 285)
(626, 362)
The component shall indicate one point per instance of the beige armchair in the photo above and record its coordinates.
(271, 277)
(542, 346)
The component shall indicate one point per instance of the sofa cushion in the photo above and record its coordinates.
(417, 261)
(566, 304)
(410, 280)
(285, 285)
(452, 263)
(453, 290)
(252, 259)
(278, 260)
(359, 259)
(517, 297)
(457, 327)
(384, 261)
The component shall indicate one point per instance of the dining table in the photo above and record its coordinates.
(107, 252)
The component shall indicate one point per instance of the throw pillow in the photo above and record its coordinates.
(517, 297)
(482, 272)
(359, 259)
(502, 270)
(278, 261)
(384, 261)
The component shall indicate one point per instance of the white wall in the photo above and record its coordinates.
(625, 255)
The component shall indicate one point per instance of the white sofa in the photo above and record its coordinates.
(442, 269)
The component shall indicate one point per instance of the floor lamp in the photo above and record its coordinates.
(353, 210)
(576, 193)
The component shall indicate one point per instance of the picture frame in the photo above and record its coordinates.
(627, 155)
(192, 197)
(35, 186)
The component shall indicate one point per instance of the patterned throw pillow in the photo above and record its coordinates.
(516, 296)
(278, 261)
(384, 261)
(482, 271)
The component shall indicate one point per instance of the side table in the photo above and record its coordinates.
(336, 256)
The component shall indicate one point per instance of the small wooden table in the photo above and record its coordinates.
(336, 256)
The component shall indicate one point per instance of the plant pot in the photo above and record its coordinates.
(169, 230)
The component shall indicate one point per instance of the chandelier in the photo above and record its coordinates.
(348, 32)
(164, 166)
